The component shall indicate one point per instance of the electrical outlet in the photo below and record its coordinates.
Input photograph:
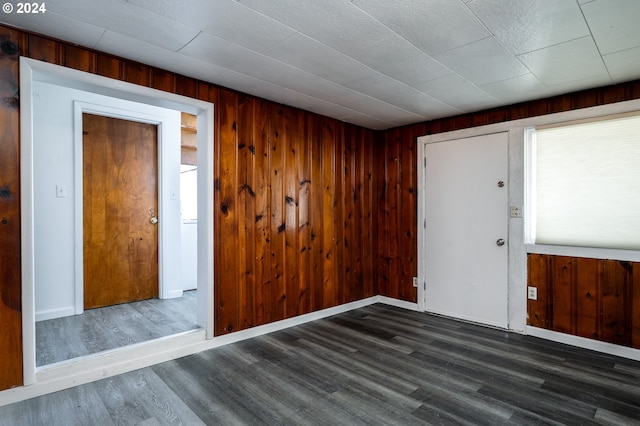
(532, 293)
(415, 282)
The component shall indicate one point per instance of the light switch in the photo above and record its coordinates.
(61, 191)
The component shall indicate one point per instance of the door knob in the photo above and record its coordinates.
(154, 220)
(500, 242)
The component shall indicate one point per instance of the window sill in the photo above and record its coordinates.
(589, 252)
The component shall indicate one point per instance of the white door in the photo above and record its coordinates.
(466, 228)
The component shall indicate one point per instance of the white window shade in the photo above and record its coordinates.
(587, 184)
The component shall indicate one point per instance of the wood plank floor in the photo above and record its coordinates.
(375, 365)
(111, 327)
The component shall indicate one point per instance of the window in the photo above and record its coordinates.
(583, 183)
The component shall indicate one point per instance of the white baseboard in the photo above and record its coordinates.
(584, 343)
(55, 313)
(63, 375)
(398, 303)
(174, 294)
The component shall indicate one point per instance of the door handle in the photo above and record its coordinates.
(500, 242)
(153, 220)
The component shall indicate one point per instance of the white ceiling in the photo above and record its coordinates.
(376, 63)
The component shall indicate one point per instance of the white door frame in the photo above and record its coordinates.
(32, 70)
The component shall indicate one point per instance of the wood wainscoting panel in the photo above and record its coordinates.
(593, 298)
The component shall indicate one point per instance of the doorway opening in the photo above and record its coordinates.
(94, 94)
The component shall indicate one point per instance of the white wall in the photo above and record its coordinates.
(53, 165)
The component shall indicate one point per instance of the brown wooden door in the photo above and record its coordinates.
(120, 198)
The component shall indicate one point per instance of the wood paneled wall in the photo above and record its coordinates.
(10, 273)
(294, 212)
(593, 298)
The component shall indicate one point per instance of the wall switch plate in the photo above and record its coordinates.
(516, 211)
(61, 191)
(532, 293)
(415, 281)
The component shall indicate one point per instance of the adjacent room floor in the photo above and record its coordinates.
(111, 327)
(375, 365)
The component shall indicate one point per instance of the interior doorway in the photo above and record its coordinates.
(34, 72)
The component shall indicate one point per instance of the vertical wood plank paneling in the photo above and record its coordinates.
(226, 296)
(294, 136)
(338, 208)
(78, 58)
(382, 220)
(538, 311)
(136, 73)
(370, 213)
(588, 289)
(186, 86)
(108, 66)
(563, 294)
(304, 159)
(277, 224)
(329, 284)
(407, 217)
(44, 49)
(394, 199)
(351, 258)
(166, 81)
(10, 273)
(246, 214)
(616, 302)
(261, 138)
(591, 298)
(316, 215)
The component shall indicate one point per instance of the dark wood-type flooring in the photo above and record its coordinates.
(101, 329)
(375, 365)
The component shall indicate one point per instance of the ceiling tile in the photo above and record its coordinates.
(124, 18)
(623, 65)
(402, 96)
(433, 26)
(524, 26)
(459, 93)
(482, 62)
(226, 19)
(566, 62)
(307, 54)
(335, 23)
(58, 26)
(614, 24)
(144, 52)
(286, 96)
(402, 61)
(522, 88)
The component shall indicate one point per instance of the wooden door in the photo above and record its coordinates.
(120, 199)
(466, 229)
